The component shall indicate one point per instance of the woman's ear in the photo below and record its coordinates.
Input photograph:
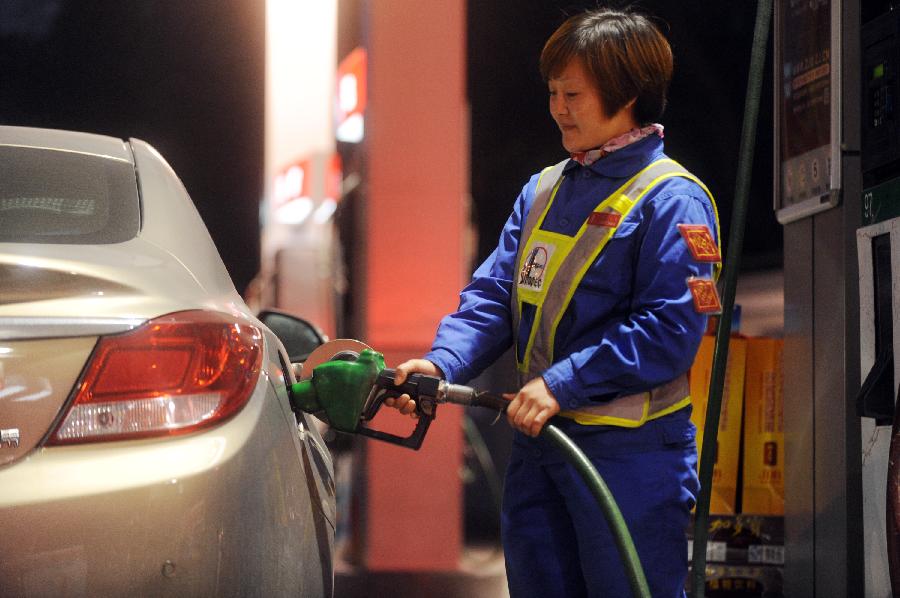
(628, 110)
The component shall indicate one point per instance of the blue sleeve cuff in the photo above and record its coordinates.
(447, 362)
(559, 379)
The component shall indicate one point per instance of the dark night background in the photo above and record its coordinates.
(513, 135)
(188, 77)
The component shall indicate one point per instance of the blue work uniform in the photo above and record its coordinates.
(631, 326)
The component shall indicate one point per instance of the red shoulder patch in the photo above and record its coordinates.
(705, 294)
(700, 241)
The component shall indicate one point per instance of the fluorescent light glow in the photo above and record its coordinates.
(348, 96)
(351, 130)
(324, 211)
(35, 396)
(280, 187)
(295, 211)
(294, 182)
(9, 391)
(28, 262)
(301, 55)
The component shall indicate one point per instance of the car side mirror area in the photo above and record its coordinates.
(298, 336)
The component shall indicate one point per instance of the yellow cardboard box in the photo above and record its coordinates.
(724, 486)
(763, 487)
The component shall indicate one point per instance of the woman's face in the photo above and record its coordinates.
(577, 108)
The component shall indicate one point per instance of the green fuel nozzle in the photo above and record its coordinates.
(346, 394)
(348, 391)
(337, 391)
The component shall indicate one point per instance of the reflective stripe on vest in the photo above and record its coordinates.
(634, 410)
(549, 268)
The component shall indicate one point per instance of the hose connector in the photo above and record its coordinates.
(469, 397)
(456, 393)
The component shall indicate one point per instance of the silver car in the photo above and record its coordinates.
(147, 442)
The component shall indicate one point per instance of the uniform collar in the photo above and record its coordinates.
(624, 162)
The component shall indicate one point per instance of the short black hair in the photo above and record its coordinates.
(625, 53)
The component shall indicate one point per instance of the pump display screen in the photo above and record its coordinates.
(805, 98)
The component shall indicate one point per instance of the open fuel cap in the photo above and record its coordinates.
(341, 348)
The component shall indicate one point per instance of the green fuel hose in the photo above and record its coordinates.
(723, 331)
(608, 505)
(595, 484)
(576, 457)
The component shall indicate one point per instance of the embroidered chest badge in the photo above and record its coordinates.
(534, 268)
(700, 241)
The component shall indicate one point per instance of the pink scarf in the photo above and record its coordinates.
(589, 157)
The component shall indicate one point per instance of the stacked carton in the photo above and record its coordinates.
(752, 398)
(725, 471)
(745, 550)
(763, 487)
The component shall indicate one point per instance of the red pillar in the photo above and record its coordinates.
(417, 218)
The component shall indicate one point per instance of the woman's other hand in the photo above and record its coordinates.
(531, 407)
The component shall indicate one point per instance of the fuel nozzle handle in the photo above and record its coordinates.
(427, 392)
(423, 389)
(416, 385)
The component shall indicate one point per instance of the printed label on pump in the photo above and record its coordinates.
(716, 552)
(765, 554)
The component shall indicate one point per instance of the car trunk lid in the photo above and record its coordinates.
(36, 378)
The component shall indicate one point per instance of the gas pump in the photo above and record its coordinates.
(878, 247)
(818, 191)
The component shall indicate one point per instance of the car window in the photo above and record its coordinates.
(53, 196)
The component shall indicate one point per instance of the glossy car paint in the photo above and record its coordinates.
(242, 508)
(36, 376)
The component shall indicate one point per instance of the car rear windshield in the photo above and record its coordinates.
(54, 196)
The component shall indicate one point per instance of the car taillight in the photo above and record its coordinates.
(173, 375)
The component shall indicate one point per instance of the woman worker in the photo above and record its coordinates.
(602, 279)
